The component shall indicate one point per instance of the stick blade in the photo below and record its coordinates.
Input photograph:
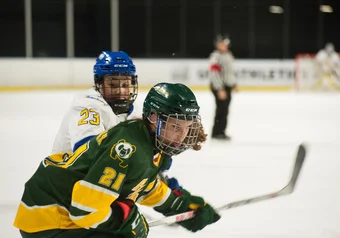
(300, 158)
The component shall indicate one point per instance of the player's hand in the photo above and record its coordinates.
(204, 213)
(134, 224)
(222, 94)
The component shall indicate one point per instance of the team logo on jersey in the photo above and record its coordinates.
(122, 150)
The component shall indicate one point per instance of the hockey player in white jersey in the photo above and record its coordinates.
(105, 105)
(328, 61)
(108, 103)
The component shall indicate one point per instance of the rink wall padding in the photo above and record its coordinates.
(21, 74)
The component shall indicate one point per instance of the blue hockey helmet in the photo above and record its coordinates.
(113, 63)
(117, 93)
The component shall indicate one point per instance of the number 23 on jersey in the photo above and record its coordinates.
(89, 116)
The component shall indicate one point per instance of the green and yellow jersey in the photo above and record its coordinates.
(73, 191)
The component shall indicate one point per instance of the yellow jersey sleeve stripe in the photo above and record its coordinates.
(41, 207)
(73, 158)
(157, 196)
(150, 186)
(82, 207)
(94, 199)
(98, 188)
(77, 219)
(37, 218)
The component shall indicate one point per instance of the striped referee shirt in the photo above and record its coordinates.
(221, 71)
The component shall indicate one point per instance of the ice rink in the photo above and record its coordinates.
(266, 128)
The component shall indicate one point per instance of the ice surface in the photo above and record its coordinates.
(266, 128)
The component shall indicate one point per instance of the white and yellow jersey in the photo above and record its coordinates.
(328, 62)
(88, 116)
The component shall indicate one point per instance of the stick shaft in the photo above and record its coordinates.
(288, 189)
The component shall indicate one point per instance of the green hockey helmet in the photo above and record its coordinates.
(170, 99)
(178, 120)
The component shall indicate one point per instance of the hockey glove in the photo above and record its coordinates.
(173, 184)
(134, 224)
(204, 213)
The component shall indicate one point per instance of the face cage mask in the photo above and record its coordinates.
(120, 94)
(168, 128)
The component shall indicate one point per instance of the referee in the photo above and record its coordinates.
(223, 81)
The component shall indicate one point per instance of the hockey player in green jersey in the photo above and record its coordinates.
(93, 192)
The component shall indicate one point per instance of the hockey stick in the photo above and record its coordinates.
(288, 189)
